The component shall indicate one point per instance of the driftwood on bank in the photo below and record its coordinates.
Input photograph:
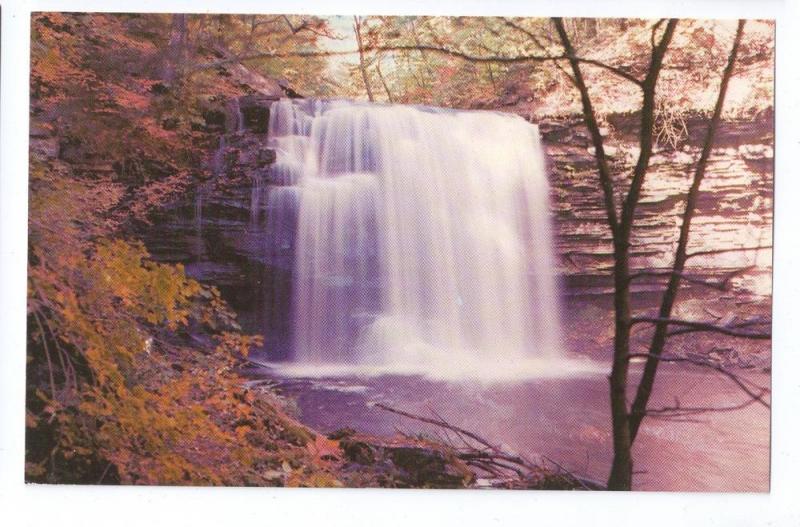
(503, 468)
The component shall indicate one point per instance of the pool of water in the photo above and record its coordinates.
(565, 419)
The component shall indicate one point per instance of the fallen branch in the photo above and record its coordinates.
(441, 423)
(490, 458)
(573, 476)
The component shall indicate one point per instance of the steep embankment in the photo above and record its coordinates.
(131, 364)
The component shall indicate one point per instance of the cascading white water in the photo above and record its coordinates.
(421, 236)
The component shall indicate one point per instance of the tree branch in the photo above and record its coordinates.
(503, 59)
(680, 411)
(603, 170)
(722, 285)
(490, 458)
(747, 324)
(645, 132)
(443, 424)
(613, 69)
(361, 61)
(653, 32)
(732, 376)
(731, 250)
(47, 357)
(700, 326)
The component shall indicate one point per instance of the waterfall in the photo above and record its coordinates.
(420, 235)
(218, 161)
(234, 108)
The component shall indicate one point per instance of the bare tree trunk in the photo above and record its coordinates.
(639, 407)
(428, 69)
(383, 80)
(491, 76)
(622, 465)
(362, 63)
(591, 27)
(176, 49)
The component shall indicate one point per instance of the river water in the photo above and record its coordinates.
(566, 419)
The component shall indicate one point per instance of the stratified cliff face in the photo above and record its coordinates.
(734, 210)
(221, 232)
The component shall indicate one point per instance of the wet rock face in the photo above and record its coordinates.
(214, 120)
(214, 233)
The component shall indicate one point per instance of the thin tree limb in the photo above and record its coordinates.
(645, 132)
(361, 62)
(722, 285)
(441, 50)
(440, 423)
(604, 172)
(730, 250)
(732, 376)
(47, 357)
(680, 411)
(700, 326)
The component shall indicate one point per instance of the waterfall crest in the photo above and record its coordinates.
(419, 235)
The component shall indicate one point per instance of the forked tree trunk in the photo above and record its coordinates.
(622, 465)
(620, 477)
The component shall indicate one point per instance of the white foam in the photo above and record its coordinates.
(502, 371)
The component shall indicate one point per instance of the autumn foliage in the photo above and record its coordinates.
(132, 365)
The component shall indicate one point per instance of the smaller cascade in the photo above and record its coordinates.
(285, 172)
(239, 116)
(198, 209)
(256, 199)
(218, 161)
(234, 114)
(202, 190)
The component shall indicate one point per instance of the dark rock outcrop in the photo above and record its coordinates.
(255, 112)
(403, 463)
